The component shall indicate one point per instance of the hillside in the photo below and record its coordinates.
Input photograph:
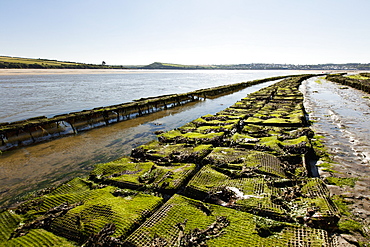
(261, 66)
(30, 63)
(158, 65)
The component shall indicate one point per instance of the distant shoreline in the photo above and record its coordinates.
(6, 72)
(7, 62)
(64, 71)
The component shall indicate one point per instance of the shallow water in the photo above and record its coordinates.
(342, 115)
(50, 163)
(24, 96)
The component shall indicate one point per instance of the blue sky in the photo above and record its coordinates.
(187, 31)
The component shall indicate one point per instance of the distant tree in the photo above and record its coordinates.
(103, 63)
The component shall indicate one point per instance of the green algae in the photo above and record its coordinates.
(205, 179)
(341, 181)
(342, 204)
(277, 121)
(280, 115)
(178, 153)
(270, 139)
(195, 135)
(82, 221)
(314, 187)
(232, 116)
(260, 197)
(96, 206)
(297, 141)
(8, 223)
(215, 129)
(253, 129)
(75, 191)
(348, 226)
(201, 122)
(243, 140)
(175, 136)
(189, 127)
(241, 163)
(139, 175)
(38, 238)
(320, 149)
(244, 229)
(202, 148)
(358, 76)
(326, 167)
(270, 143)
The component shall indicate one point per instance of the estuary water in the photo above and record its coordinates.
(25, 95)
(48, 164)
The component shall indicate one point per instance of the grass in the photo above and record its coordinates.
(31, 63)
(34, 61)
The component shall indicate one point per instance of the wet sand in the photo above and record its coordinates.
(342, 116)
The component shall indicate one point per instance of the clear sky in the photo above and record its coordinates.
(139, 32)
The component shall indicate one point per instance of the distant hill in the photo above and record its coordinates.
(261, 66)
(158, 65)
(31, 63)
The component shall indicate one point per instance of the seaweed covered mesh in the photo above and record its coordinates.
(181, 216)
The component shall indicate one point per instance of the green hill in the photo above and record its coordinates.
(158, 65)
(31, 63)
